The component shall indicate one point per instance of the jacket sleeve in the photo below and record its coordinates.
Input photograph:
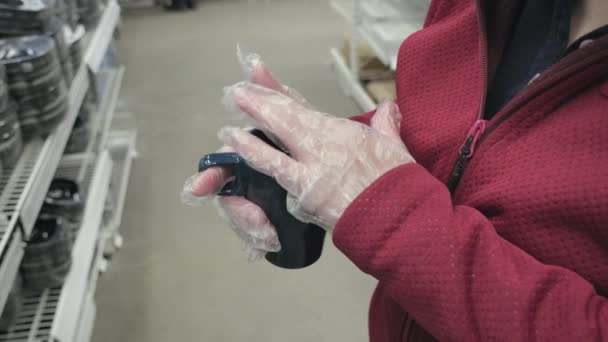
(447, 266)
(364, 118)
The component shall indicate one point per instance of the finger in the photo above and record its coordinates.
(252, 253)
(250, 223)
(211, 180)
(387, 120)
(264, 158)
(263, 76)
(275, 112)
(187, 195)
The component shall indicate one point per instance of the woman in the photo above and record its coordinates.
(482, 209)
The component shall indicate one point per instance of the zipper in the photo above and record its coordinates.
(468, 147)
(407, 329)
(480, 131)
(466, 152)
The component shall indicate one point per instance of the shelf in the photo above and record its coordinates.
(379, 10)
(9, 268)
(383, 24)
(76, 285)
(349, 83)
(121, 145)
(385, 38)
(59, 314)
(344, 8)
(46, 156)
(24, 186)
(111, 82)
(102, 35)
(380, 52)
(85, 328)
(413, 11)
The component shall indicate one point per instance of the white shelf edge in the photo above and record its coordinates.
(103, 118)
(349, 83)
(393, 65)
(67, 316)
(383, 55)
(341, 8)
(110, 108)
(9, 269)
(85, 328)
(391, 13)
(128, 140)
(102, 36)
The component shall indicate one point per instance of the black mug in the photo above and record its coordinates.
(301, 243)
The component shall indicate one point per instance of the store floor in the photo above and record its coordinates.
(180, 275)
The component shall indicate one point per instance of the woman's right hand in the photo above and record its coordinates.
(248, 220)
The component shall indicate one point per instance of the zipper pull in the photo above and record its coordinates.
(468, 148)
(466, 152)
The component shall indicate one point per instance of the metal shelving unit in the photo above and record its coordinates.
(67, 313)
(117, 135)
(111, 80)
(58, 314)
(381, 24)
(345, 8)
(24, 187)
(349, 83)
(121, 146)
(102, 36)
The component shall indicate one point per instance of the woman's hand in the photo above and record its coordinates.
(331, 160)
(247, 220)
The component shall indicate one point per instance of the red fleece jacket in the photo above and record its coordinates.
(519, 251)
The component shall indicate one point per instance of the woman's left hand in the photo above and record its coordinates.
(331, 160)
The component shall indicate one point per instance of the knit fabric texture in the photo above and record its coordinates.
(520, 251)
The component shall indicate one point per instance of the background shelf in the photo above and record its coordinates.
(24, 186)
(55, 314)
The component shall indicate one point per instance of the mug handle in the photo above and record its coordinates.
(232, 161)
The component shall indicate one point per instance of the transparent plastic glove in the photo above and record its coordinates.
(257, 72)
(247, 220)
(332, 160)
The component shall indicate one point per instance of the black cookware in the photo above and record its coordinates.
(11, 145)
(36, 82)
(79, 138)
(47, 257)
(63, 199)
(301, 243)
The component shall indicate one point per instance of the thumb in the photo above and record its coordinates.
(387, 120)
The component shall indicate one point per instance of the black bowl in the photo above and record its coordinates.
(11, 146)
(63, 199)
(79, 138)
(26, 49)
(47, 257)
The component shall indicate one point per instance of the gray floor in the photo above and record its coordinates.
(180, 275)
